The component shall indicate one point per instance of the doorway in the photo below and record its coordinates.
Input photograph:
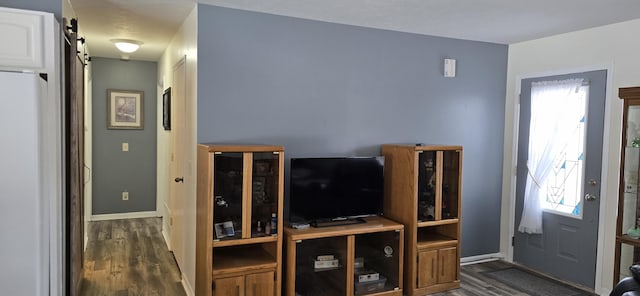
(567, 247)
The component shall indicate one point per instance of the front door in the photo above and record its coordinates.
(567, 247)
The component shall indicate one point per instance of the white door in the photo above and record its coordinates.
(24, 251)
(566, 249)
(176, 191)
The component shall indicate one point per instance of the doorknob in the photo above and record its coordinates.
(179, 180)
(589, 197)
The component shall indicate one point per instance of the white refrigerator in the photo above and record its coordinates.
(25, 181)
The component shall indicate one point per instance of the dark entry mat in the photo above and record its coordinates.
(533, 284)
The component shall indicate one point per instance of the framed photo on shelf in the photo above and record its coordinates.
(166, 109)
(125, 109)
(220, 233)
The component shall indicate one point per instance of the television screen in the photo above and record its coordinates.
(324, 189)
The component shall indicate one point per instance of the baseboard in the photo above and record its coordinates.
(118, 216)
(187, 286)
(165, 235)
(481, 258)
(604, 292)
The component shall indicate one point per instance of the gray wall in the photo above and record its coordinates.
(115, 171)
(323, 89)
(53, 6)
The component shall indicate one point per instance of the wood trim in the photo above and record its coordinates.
(280, 222)
(627, 93)
(242, 148)
(204, 222)
(351, 254)
(247, 174)
(439, 165)
(374, 224)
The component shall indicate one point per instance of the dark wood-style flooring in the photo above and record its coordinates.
(475, 282)
(130, 258)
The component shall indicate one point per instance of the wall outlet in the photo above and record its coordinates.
(125, 195)
(125, 147)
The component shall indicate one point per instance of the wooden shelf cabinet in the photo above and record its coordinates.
(627, 250)
(372, 247)
(239, 190)
(423, 185)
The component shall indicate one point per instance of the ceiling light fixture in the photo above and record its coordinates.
(126, 45)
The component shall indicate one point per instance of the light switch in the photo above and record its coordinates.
(125, 147)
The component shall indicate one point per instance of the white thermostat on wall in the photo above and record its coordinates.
(449, 68)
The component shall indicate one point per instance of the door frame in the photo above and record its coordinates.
(509, 167)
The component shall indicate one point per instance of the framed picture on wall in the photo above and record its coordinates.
(166, 109)
(125, 109)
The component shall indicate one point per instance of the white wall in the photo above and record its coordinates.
(184, 43)
(610, 46)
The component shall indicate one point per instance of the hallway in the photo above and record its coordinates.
(129, 257)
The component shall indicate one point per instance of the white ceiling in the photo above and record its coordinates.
(499, 21)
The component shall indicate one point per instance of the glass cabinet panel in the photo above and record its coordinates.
(227, 203)
(377, 259)
(321, 266)
(264, 193)
(427, 186)
(450, 183)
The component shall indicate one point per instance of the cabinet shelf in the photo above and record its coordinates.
(242, 260)
(246, 241)
(373, 224)
(439, 222)
(435, 241)
(626, 239)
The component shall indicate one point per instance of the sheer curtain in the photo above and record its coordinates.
(554, 113)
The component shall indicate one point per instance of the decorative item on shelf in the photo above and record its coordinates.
(388, 251)
(636, 142)
(228, 228)
(634, 232)
(258, 190)
(261, 168)
(274, 223)
(221, 202)
(267, 228)
(259, 227)
(325, 262)
(220, 233)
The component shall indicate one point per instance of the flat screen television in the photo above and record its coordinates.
(335, 189)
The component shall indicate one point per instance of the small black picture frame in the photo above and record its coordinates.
(166, 109)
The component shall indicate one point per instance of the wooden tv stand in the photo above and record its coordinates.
(378, 245)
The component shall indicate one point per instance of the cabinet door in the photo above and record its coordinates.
(260, 284)
(233, 286)
(448, 265)
(378, 252)
(450, 184)
(427, 268)
(265, 190)
(228, 195)
(427, 185)
(320, 277)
